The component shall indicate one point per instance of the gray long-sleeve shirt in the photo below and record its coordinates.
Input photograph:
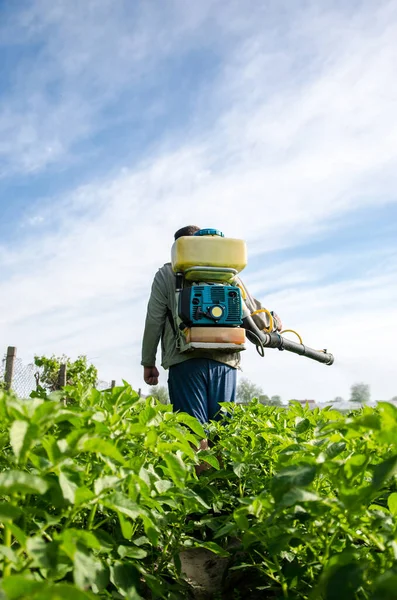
(158, 326)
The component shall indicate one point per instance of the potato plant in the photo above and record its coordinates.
(99, 497)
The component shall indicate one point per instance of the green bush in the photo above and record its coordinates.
(99, 498)
(77, 371)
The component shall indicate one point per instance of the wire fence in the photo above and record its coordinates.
(23, 378)
(23, 381)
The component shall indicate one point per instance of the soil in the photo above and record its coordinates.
(210, 578)
(204, 570)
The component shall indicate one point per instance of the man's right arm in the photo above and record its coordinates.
(154, 325)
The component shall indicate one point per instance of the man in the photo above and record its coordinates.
(197, 380)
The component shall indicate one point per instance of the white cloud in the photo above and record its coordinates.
(277, 161)
(84, 57)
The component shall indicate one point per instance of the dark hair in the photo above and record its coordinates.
(188, 230)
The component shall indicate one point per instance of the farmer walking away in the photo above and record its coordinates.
(196, 310)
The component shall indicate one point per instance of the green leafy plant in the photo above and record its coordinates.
(99, 499)
(77, 371)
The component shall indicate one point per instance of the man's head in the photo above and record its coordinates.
(188, 230)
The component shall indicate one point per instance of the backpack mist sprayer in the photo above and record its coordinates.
(276, 340)
(212, 304)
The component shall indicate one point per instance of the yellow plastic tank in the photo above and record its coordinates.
(191, 254)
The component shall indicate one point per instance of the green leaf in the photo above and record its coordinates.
(126, 527)
(72, 539)
(196, 500)
(125, 578)
(151, 531)
(43, 554)
(341, 578)
(18, 587)
(356, 465)
(192, 423)
(131, 552)
(368, 421)
(239, 468)
(379, 508)
(384, 471)
(137, 429)
(106, 483)
(22, 437)
(293, 476)
(99, 446)
(156, 584)
(140, 541)
(213, 547)
(18, 431)
(68, 487)
(392, 503)
(121, 503)
(163, 485)
(46, 412)
(151, 438)
(183, 444)
(240, 517)
(28, 589)
(176, 468)
(9, 512)
(24, 483)
(147, 415)
(18, 534)
(83, 495)
(334, 449)
(385, 587)
(51, 447)
(209, 458)
(297, 495)
(89, 570)
(63, 591)
(227, 529)
(302, 426)
(9, 554)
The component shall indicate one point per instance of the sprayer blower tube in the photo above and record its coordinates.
(275, 340)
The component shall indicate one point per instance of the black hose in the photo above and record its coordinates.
(261, 352)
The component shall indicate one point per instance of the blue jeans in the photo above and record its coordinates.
(196, 386)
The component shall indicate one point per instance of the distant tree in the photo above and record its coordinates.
(161, 393)
(273, 401)
(337, 399)
(246, 390)
(264, 399)
(276, 401)
(76, 371)
(360, 392)
(394, 399)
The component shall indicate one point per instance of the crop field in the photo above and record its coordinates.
(99, 498)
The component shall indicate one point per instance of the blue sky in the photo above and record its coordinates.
(272, 121)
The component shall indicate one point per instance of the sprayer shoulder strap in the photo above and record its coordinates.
(170, 318)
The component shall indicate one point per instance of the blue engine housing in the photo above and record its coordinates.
(206, 305)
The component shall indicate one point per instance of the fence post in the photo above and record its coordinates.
(62, 379)
(139, 392)
(10, 363)
(62, 376)
(113, 384)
